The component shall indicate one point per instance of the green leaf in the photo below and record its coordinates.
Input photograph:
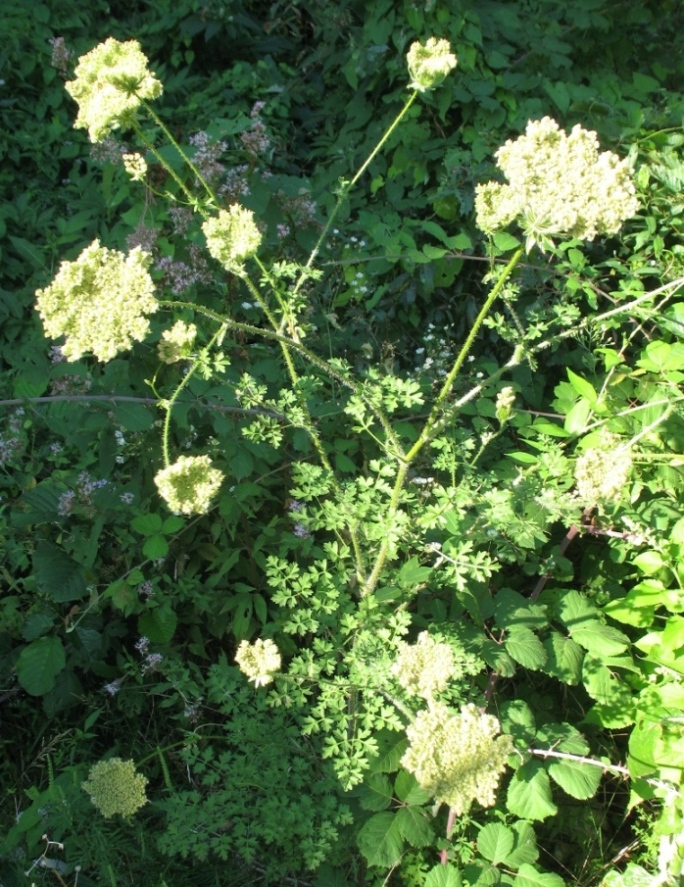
(443, 876)
(564, 658)
(528, 876)
(158, 625)
(577, 417)
(376, 792)
(495, 842)
(147, 524)
(380, 840)
(155, 547)
(412, 574)
(582, 387)
(408, 790)
(526, 849)
(57, 574)
(39, 664)
(505, 241)
(529, 792)
(512, 610)
(525, 647)
(578, 780)
(173, 524)
(388, 759)
(414, 826)
(599, 639)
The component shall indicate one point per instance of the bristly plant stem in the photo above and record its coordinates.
(168, 405)
(346, 187)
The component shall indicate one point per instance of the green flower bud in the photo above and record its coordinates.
(115, 787)
(232, 237)
(429, 65)
(189, 485)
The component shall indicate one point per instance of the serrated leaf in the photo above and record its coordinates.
(380, 840)
(578, 780)
(158, 625)
(525, 647)
(564, 658)
(526, 850)
(376, 792)
(529, 792)
(412, 573)
(147, 524)
(443, 876)
(512, 610)
(574, 608)
(582, 387)
(528, 876)
(155, 547)
(599, 639)
(408, 790)
(414, 826)
(495, 842)
(57, 574)
(388, 760)
(39, 664)
(517, 719)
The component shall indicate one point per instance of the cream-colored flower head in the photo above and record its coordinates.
(189, 485)
(112, 81)
(424, 668)
(458, 758)
(115, 787)
(504, 403)
(136, 166)
(232, 237)
(259, 661)
(177, 343)
(430, 64)
(557, 185)
(602, 472)
(99, 302)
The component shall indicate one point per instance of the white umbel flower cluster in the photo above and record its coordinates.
(177, 343)
(112, 81)
(189, 485)
(429, 64)
(99, 302)
(259, 661)
(424, 668)
(558, 184)
(232, 237)
(602, 472)
(458, 758)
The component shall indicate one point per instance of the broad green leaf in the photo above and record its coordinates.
(575, 608)
(390, 755)
(376, 792)
(633, 876)
(529, 792)
(408, 790)
(528, 876)
(582, 387)
(173, 524)
(414, 826)
(525, 647)
(443, 876)
(526, 849)
(505, 241)
(380, 840)
(158, 625)
(578, 780)
(39, 664)
(147, 524)
(155, 547)
(599, 639)
(57, 574)
(412, 573)
(512, 610)
(577, 417)
(495, 842)
(564, 658)
(517, 718)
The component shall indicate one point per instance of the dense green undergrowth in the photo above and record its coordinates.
(567, 616)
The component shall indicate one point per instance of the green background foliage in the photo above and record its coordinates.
(579, 636)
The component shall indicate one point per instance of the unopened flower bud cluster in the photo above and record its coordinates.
(99, 302)
(189, 485)
(258, 661)
(602, 472)
(458, 758)
(111, 82)
(115, 787)
(136, 166)
(558, 184)
(425, 668)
